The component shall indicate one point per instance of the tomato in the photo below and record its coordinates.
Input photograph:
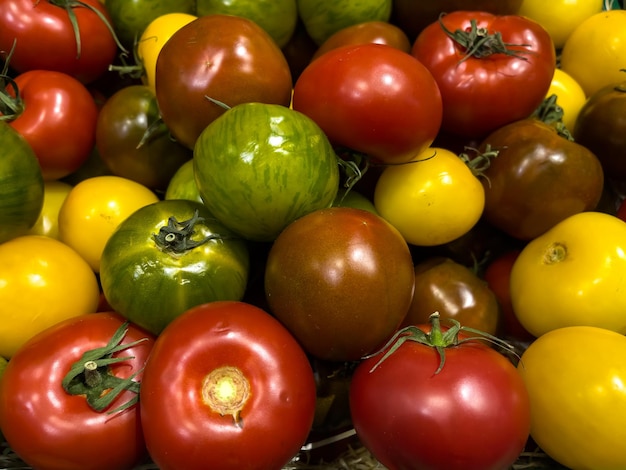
(571, 275)
(328, 279)
(486, 83)
(47, 224)
(55, 423)
(573, 376)
(261, 166)
(42, 282)
(593, 55)
(570, 97)
(183, 185)
(470, 413)
(46, 37)
(21, 184)
(538, 178)
(602, 129)
(431, 200)
(125, 118)
(371, 98)
(246, 65)
(168, 257)
(352, 198)
(57, 115)
(323, 18)
(239, 389)
(3, 365)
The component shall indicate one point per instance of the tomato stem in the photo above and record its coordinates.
(549, 112)
(176, 237)
(480, 161)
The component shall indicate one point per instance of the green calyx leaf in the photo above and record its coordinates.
(91, 376)
(177, 237)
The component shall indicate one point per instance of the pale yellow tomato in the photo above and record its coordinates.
(154, 37)
(42, 282)
(595, 52)
(432, 200)
(576, 382)
(570, 96)
(48, 222)
(573, 275)
(560, 17)
(94, 208)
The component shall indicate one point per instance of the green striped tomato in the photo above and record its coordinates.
(260, 166)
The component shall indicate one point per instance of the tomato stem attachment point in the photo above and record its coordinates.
(226, 390)
(176, 237)
(555, 253)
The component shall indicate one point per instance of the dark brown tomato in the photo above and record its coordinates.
(601, 127)
(538, 179)
(341, 280)
(379, 32)
(223, 57)
(456, 292)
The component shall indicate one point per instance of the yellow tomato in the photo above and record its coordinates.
(94, 208)
(570, 96)
(42, 282)
(595, 52)
(560, 17)
(573, 275)
(432, 200)
(576, 381)
(154, 37)
(48, 222)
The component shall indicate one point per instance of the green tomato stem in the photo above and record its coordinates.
(176, 237)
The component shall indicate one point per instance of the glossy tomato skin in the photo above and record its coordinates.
(371, 98)
(49, 428)
(28, 22)
(47, 224)
(275, 412)
(341, 280)
(481, 94)
(151, 281)
(245, 65)
(473, 415)
(58, 119)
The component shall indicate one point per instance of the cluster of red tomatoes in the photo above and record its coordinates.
(232, 232)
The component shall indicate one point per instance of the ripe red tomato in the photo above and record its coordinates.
(473, 414)
(53, 429)
(57, 115)
(226, 387)
(486, 80)
(373, 99)
(46, 38)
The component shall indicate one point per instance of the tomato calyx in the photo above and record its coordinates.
(549, 112)
(225, 390)
(176, 237)
(479, 43)
(91, 376)
(479, 162)
(438, 339)
(11, 105)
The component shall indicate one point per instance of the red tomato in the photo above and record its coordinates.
(53, 429)
(226, 387)
(473, 414)
(371, 98)
(486, 80)
(45, 37)
(57, 115)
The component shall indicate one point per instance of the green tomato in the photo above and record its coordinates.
(183, 184)
(261, 166)
(21, 184)
(354, 199)
(277, 17)
(323, 18)
(170, 256)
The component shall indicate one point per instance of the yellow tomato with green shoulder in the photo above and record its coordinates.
(573, 275)
(575, 379)
(570, 96)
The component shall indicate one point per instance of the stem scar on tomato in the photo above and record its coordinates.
(225, 390)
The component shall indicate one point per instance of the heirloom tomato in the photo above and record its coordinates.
(261, 166)
(570, 97)
(73, 37)
(213, 61)
(239, 390)
(490, 69)
(170, 256)
(373, 99)
(183, 185)
(21, 184)
(58, 406)
(440, 399)
(574, 377)
(572, 275)
(54, 195)
(341, 280)
(42, 282)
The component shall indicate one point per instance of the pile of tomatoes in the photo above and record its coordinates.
(234, 234)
